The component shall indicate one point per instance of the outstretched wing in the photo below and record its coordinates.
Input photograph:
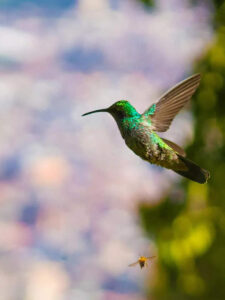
(150, 257)
(163, 112)
(134, 264)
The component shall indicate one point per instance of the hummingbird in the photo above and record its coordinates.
(142, 261)
(140, 130)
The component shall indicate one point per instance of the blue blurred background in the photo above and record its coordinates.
(77, 206)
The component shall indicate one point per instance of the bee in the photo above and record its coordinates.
(142, 261)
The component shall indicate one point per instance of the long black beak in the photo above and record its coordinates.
(95, 111)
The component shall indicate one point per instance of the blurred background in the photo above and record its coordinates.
(76, 205)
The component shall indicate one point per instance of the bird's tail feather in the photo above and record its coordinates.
(193, 172)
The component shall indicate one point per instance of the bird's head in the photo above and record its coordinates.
(119, 110)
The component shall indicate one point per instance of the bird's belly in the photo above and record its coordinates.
(138, 143)
(143, 146)
(163, 157)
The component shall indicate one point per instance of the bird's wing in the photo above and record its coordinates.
(134, 264)
(163, 112)
(175, 147)
(150, 257)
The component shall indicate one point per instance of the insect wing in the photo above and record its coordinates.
(133, 264)
(150, 257)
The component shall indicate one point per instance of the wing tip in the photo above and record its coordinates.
(196, 75)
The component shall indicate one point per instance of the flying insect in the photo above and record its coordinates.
(142, 261)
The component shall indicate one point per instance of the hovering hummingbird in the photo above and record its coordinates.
(142, 261)
(139, 130)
